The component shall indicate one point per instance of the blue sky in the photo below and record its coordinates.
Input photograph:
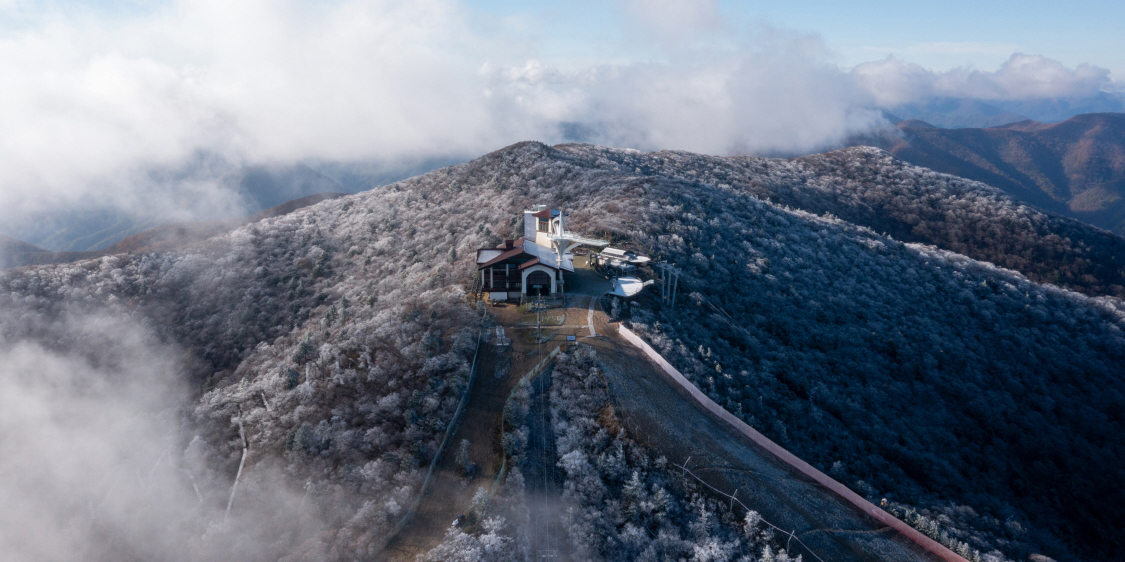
(959, 32)
(940, 36)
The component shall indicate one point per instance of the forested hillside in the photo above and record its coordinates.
(870, 188)
(617, 500)
(324, 351)
(336, 371)
(1075, 168)
(890, 365)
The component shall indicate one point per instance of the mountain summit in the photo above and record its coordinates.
(334, 370)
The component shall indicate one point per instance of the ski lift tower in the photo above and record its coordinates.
(669, 282)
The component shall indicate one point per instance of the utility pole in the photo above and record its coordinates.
(675, 285)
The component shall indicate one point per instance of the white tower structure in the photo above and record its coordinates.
(547, 227)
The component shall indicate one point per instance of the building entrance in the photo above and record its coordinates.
(538, 284)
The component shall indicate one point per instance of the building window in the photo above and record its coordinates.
(544, 226)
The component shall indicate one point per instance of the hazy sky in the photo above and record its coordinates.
(122, 100)
(940, 36)
(954, 33)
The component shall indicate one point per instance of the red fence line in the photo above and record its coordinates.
(785, 456)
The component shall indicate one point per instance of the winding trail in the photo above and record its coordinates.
(669, 415)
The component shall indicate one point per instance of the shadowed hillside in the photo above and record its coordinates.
(8, 244)
(1075, 168)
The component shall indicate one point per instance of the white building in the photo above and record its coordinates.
(532, 265)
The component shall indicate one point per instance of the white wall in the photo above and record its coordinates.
(529, 225)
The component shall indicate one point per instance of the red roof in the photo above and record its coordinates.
(508, 254)
(515, 250)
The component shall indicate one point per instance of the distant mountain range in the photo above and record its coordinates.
(956, 113)
(1075, 168)
(9, 245)
(15, 253)
(94, 225)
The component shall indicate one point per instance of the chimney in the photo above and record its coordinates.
(508, 244)
(529, 224)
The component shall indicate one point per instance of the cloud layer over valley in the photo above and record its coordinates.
(94, 461)
(153, 107)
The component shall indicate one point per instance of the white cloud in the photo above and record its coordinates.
(779, 97)
(90, 106)
(89, 462)
(1027, 76)
(893, 81)
(97, 461)
(675, 19)
(153, 105)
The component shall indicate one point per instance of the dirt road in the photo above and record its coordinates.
(501, 367)
(658, 413)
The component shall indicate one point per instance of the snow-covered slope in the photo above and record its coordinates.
(337, 339)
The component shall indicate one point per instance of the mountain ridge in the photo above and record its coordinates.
(958, 113)
(913, 204)
(15, 253)
(1075, 167)
(11, 245)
